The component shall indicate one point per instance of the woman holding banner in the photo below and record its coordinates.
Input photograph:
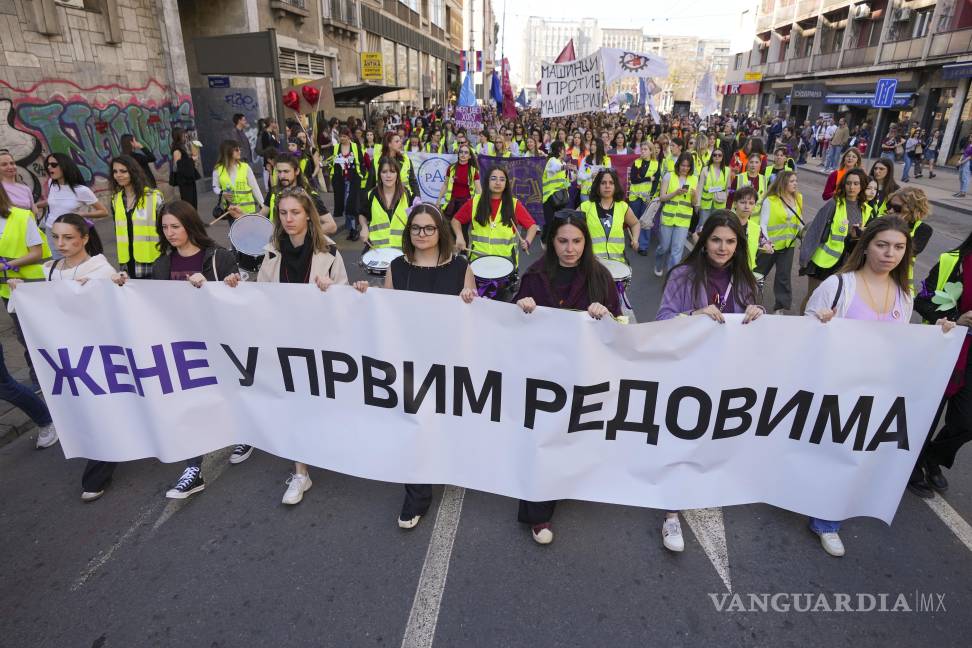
(187, 253)
(299, 253)
(429, 266)
(951, 278)
(461, 182)
(872, 285)
(568, 276)
(714, 279)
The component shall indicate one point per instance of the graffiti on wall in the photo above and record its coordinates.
(44, 118)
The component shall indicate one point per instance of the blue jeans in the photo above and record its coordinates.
(671, 242)
(20, 396)
(638, 208)
(908, 161)
(965, 171)
(833, 157)
(819, 526)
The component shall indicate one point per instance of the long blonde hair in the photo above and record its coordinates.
(314, 229)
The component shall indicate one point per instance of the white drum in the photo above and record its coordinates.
(377, 260)
(621, 274)
(249, 235)
(492, 273)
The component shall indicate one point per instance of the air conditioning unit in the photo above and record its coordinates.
(862, 12)
(902, 14)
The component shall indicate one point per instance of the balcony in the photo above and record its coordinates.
(859, 56)
(954, 42)
(340, 16)
(798, 65)
(805, 8)
(904, 50)
(776, 69)
(826, 61)
(297, 9)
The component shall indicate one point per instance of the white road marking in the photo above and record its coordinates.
(710, 530)
(424, 615)
(214, 464)
(951, 518)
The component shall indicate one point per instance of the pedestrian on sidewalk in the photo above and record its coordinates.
(932, 144)
(838, 142)
(184, 173)
(141, 154)
(910, 155)
(965, 169)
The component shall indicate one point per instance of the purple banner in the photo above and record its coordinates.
(526, 175)
(470, 118)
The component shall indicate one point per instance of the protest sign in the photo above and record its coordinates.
(571, 88)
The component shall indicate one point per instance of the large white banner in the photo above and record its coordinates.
(619, 63)
(405, 387)
(430, 172)
(571, 88)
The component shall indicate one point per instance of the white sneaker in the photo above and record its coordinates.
(47, 436)
(832, 544)
(296, 486)
(672, 535)
(90, 496)
(542, 533)
(658, 272)
(410, 523)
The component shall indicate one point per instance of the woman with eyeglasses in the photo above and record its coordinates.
(569, 277)
(234, 182)
(911, 204)
(429, 266)
(461, 182)
(299, 253)
(67, 192)
(834, 231)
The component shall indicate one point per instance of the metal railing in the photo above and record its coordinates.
(826, 61)
(343, 11)
(798, 65)
(859, 56)
(903, 50)
(953, 42)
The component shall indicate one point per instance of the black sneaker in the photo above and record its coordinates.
(935, 477)
(191, 482)
(240, 453)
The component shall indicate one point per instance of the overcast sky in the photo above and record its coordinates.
(704, 18)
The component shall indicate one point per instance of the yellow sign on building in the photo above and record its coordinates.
(749, 76)
(372, 68)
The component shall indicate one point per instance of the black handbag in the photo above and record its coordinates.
(218, 210)
(559, 199)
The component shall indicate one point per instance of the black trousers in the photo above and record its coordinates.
(418, 499)
(957, 430)
(533, 513)
(187, 191)
(97, 474)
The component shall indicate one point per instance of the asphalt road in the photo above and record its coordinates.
(234, 567)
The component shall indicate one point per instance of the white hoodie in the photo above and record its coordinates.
(97, 267)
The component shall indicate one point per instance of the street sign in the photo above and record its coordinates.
(219, 82)
(884, 93)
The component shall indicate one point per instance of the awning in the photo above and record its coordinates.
(361, 93)
(901, 99)
(957, 70)
(740, 88)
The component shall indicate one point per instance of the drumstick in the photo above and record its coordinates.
(225, 214)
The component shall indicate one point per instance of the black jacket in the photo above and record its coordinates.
(226, 264)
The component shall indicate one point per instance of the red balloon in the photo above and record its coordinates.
(292, 100)
(311, 94)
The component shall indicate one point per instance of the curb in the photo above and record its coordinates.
(938, 202)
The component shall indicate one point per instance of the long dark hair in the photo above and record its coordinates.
(93, 247)
(127, 143)
(179, 138)
(399, 187)
(890, 186)
(70, 173)
(840, 195)
(446, 241)
(685, 156)
(598, 279)
(698, 265)
(135, 173)
(188, 217)
(595, 193)
(596, 157)
(556, 148)
(226, 148)
(294, 163)
(484, 210)
(874, 227)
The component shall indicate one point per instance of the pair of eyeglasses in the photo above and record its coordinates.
(570, 215)
(895, 207)
(52, 165)
(423, 230)
(497, 178)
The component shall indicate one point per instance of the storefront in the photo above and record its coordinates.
(806, 101)
(952, 110)
(740, 97)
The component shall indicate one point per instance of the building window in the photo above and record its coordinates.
(411, 4)
(294, 63)
(437, 13)
(807, 46)
(922, 22)
(388, 60)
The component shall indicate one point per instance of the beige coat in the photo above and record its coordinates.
(323, 264)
